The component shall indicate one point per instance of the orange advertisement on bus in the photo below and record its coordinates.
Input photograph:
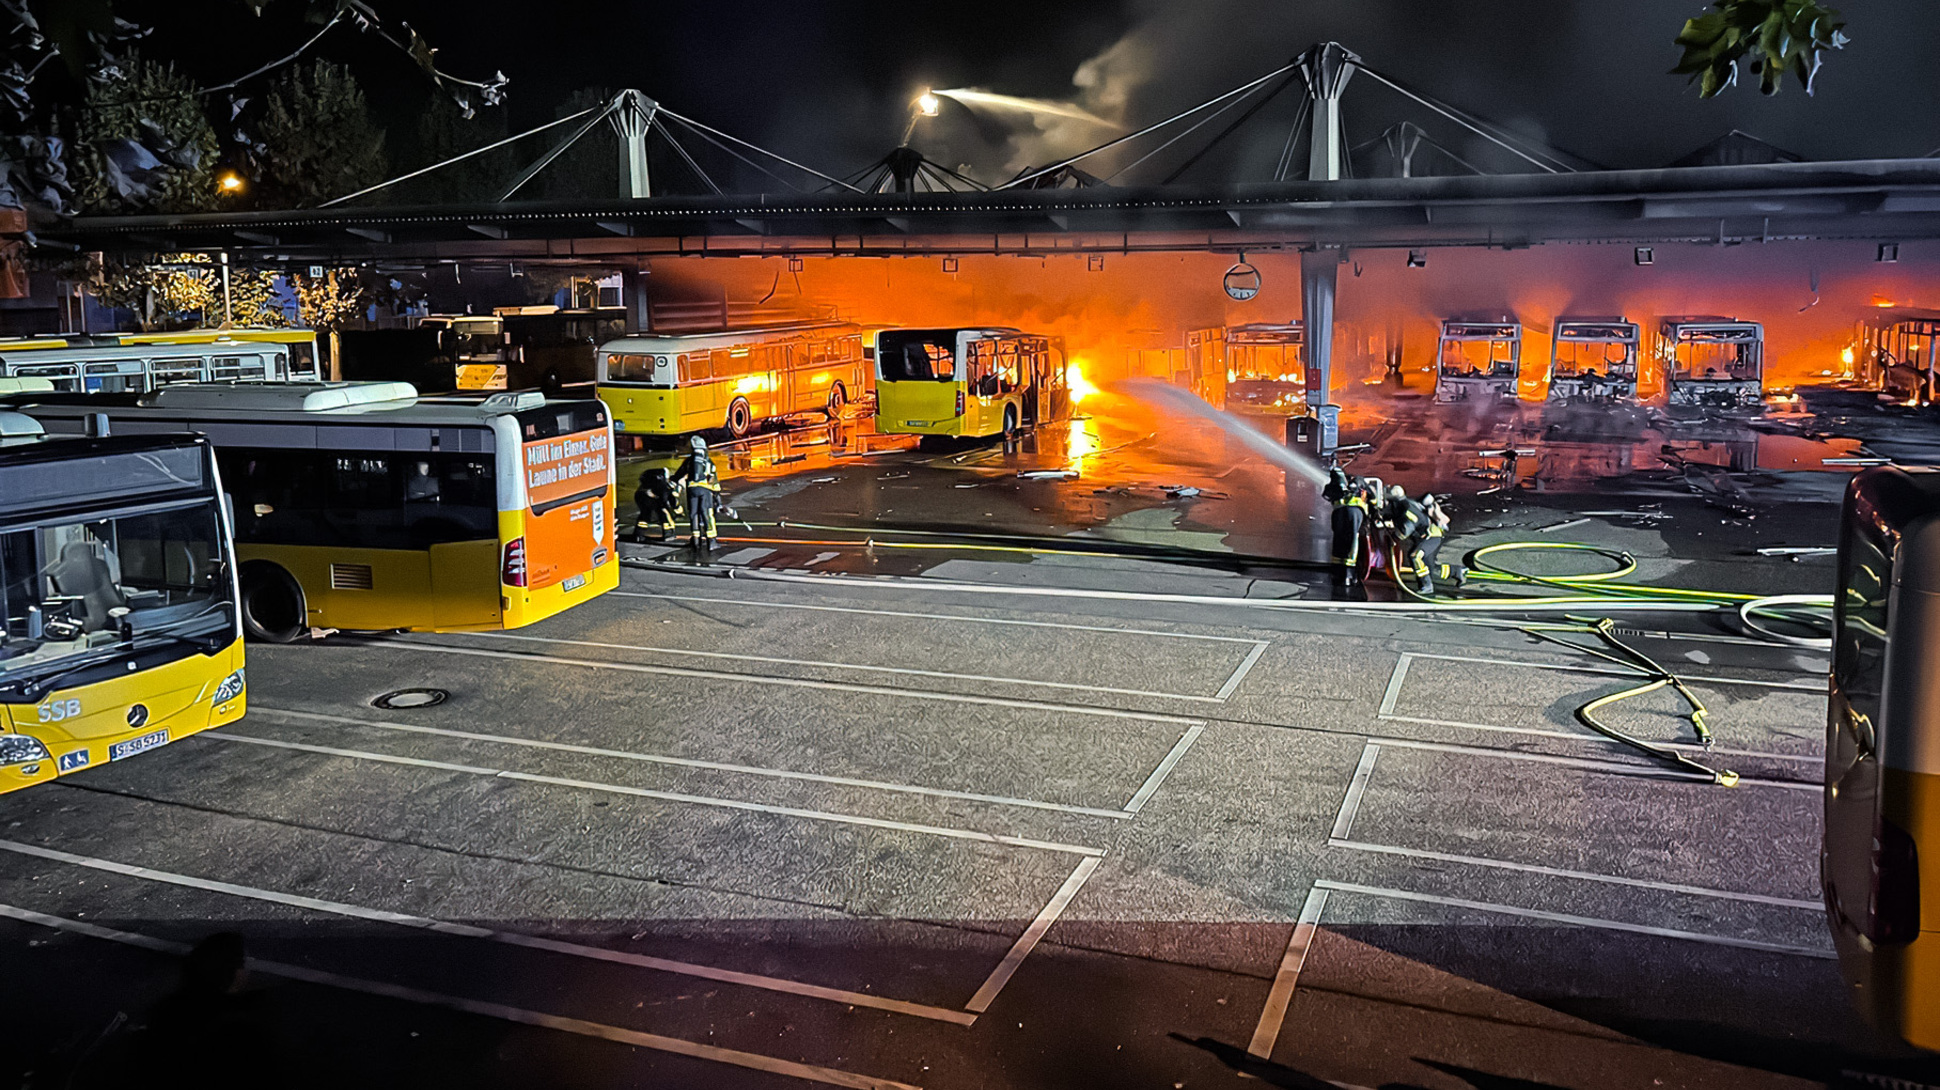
(569, 527)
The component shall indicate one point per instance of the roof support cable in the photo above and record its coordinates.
(691, 123)
(1472, 125)
(467, 155)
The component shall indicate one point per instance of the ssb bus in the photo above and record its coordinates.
(1593, 359)
(1478, 360)
(363, 506)
(1899, 352)
(1712, 362)
(138, 362)
(1260, 367)
(968, 381)
(674, 384)
(1879, 862)
(119, 628)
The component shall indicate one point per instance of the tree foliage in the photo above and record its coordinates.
(444, 132)
(144, 143)
(1778, 36)
(318, 137)
(170, 291)
(330, 302)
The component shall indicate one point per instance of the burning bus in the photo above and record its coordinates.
(1478, 360)
(1259, 368)
(1712, 362)
(1895, 352)
(1593, 359)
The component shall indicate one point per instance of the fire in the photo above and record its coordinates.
(1080, 387)
(1845, 356)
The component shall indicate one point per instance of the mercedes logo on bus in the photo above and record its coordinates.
(137, 714)
(1242, 281)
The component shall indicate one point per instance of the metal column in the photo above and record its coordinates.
(1319, 270)
(632, 116)
(1327, 68)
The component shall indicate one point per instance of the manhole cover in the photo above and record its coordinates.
(411, 698)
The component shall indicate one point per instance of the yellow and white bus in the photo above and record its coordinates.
(673, 384)
(119, 628)
(362, 506)
(968, 382)
(139, 362)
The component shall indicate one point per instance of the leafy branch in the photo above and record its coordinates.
(1778, 36)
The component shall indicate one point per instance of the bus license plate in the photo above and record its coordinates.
(574, 582)
(137, 745)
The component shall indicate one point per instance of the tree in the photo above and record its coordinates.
(330, 302)
(1777, 35)
(590, 169)
(444, 132)
(163, 292)
(144, 143)
(253, 298)
(318, 137)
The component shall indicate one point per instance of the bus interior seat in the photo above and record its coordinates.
(82, 574)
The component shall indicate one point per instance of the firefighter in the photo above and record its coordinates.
(654, 500)
(1349, 522)
(1419, 530)
(703, 483)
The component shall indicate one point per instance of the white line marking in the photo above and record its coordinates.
(793, 682)
(902, 670)
(689, 762)
(1579, 921)
(826, 1075)
(530, 942)
(1351, 805)
(1395, 681)
(1558, 872)
(933, 616)
(669, 796)
(1646, 771)
(1026, 942)
(1794, 686)
(1597, 739)
(1274, 1014)
(1239, 673)
(1171, 760)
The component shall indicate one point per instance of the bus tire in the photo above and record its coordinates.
(838, 397)
(740, 418)
(1010, 421)
(272, 604)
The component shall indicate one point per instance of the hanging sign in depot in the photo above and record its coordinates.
(1242, 281)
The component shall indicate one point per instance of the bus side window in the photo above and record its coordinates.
(696, 367)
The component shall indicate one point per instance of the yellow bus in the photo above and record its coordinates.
(138, 362)
(671, 384)
(119, 630)
(363, 506)
(968, 382)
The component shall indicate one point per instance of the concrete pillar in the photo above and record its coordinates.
(1327, 68)
(1319, 272)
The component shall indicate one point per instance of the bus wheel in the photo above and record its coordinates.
(740, 418)
(838, 397)
(272, 604)
(1010, 421)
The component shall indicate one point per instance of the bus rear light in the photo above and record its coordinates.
(959, 401)
(512, 571)
(1894, 915)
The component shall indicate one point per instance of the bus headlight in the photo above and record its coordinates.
(230, 689)
(20, 749)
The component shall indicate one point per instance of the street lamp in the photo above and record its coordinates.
(928, 104)
(230, 183)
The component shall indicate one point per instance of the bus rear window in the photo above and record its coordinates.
(916, 358)
(561, 418)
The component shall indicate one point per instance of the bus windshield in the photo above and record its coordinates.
(916, 356)
(76, 590)
(1463, 358)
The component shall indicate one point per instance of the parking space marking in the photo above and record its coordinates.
(1589, 764)
(667, 796)
(1239, 672)
(1171, 761)
(1578, 921)
(1280, 997)
(1794, 686)
(1395, 680)
(1588, 876)
(1027, 942)
(1356, 787)
(934, 616)
(690, 762)
(507, 938)
(902, 670)
(792, 682)
(755, 1061)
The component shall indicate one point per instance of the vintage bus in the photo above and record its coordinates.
(363, 506)
(1712, 362)
(1478, 360)
(968, 382)
(1896, 350)
(138, 362)
(1879, 863)
(1593, 359)
(673, 384)
(119, 627)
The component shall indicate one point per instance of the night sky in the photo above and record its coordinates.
(830, 82)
